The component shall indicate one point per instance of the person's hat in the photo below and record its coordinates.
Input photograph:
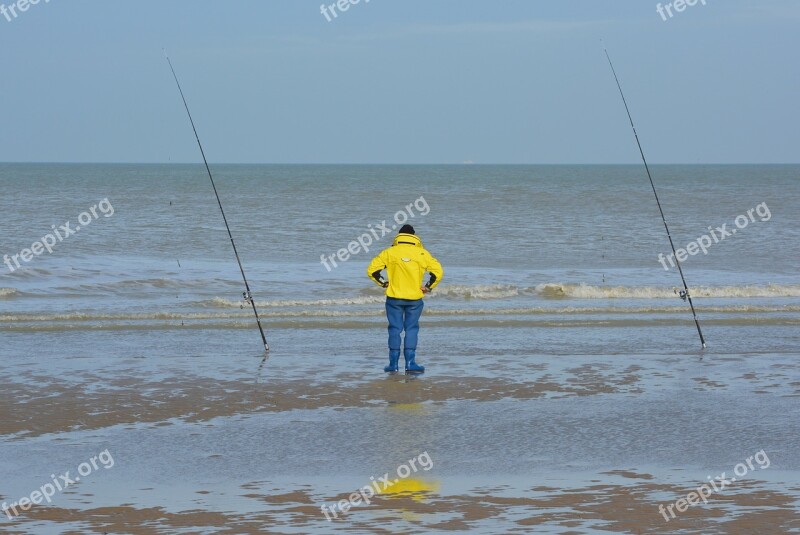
(407, 229)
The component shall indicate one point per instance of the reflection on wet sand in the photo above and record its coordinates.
(505, 448)
(616, 507)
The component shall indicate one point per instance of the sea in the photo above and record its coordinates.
(556, 275)
(558, 251)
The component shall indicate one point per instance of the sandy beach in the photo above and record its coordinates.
(566, 444)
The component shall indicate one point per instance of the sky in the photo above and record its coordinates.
(400, 81)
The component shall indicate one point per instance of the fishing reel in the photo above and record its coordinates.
(683, 294)
(248, 299)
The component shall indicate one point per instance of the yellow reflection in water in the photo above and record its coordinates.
(409, 408)
(413, 487)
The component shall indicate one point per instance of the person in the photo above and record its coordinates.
(406, 263)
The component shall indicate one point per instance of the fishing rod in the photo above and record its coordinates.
(248, 296)
(684, 294)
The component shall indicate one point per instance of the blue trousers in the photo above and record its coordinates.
(403, 315)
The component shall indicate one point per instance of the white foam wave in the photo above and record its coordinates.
(6, 293)
(80, 317)
(489, 291)
(178, 316)
(27, 272)
(583, 291)
(545, 291)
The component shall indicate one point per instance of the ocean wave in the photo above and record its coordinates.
(6, 293)
(27, 272)
(352, 323)
(127, 285)
(584, 291)
(488, 291)
(79, 317)
(543, 291)
(677, 309)
(89, 316)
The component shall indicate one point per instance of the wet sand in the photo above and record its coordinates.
(605, 507)
(530, 444)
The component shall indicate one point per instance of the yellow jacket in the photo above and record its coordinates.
(406, 262)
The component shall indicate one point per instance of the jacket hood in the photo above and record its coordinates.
(409, 239)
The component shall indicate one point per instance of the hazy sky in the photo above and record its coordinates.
(400, 81)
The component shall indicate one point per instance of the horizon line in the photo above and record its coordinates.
(463, 164)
